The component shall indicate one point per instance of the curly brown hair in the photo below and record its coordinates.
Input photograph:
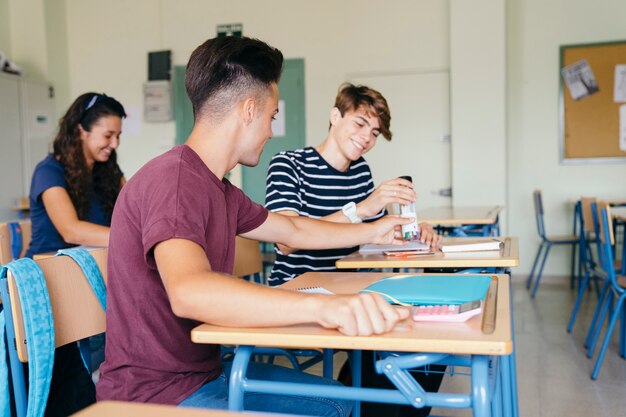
(106, 177)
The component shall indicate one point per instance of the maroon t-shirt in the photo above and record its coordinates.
(149, 353)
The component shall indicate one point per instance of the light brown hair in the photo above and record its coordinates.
(351, 98)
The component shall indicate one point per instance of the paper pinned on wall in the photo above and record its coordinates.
(622, 127)
(619, 91)
(580, 80)
(278, 124)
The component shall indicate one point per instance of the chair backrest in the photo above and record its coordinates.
(248, 259)
(538, 202)
(587, 215)
(6, 253)
(606, 223)
(76, 310)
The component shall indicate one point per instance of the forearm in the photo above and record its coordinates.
(85, 233)
(315, 234)
(336, 217)
(247, 305)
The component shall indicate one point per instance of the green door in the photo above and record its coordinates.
(291, 88)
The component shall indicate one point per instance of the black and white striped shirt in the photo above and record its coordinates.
(302, 181)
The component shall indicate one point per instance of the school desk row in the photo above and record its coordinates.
(488, 354)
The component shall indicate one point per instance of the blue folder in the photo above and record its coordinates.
(431, 289)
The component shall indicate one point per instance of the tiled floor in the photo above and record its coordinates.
(553, 370)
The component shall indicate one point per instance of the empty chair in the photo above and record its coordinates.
(44, 313)
(614, 295)
(546, 244)
(589, 268)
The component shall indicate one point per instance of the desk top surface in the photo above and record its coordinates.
(459, 215)
(506, 257)
(126, 409)
(409, 336)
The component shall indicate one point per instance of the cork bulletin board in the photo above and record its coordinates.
(590, 102)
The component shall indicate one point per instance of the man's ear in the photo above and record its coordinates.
(249, 110)
(335, 116)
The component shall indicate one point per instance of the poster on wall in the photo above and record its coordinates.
(580, 80)
(622, 127)
(619, 91)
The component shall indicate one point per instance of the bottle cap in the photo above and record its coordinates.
(407, 177)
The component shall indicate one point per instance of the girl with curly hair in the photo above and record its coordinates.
(72, 194)
(73, 190)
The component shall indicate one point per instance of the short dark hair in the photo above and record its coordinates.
(352, 97)
(222, 69)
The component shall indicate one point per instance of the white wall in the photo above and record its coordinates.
(5, 29)
(28, 37)
(366, 37)
(478, 110)
(335, 38)
(536, 29)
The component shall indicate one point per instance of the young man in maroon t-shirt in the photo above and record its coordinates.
(171, 250)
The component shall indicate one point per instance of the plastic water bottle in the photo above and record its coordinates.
(409, 231)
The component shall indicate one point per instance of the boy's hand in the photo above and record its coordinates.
(360, 314)
(428, 235)
(392, 191)
(387, 230)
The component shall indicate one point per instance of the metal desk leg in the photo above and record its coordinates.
(495, 374)
(237, 374)
(480, 386)
(357, 358)
(328, 355)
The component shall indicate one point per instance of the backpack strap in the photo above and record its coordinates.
(38, 330)
(90, 269)
(5, 411)
(16, 239)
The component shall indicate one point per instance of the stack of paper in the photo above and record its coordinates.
(472, 245)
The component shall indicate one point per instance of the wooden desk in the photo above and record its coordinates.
(454, 216)
(451, 338)
(424, 337)
(506, 257)
(125, 409)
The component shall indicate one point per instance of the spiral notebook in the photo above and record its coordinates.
(431, 289)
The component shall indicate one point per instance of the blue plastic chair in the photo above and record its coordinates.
(614, 296)
(546, 244)
(589, 267)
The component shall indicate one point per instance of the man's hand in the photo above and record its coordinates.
(392, 191)
(388, 230)
(429, 236)
(360, 315)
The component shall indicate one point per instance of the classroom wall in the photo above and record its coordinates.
(335, 38)
(57, 53)
(339, 38)
(28, 37)
(536, 29)
(5, 29)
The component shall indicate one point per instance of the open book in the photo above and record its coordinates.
(471, 245)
